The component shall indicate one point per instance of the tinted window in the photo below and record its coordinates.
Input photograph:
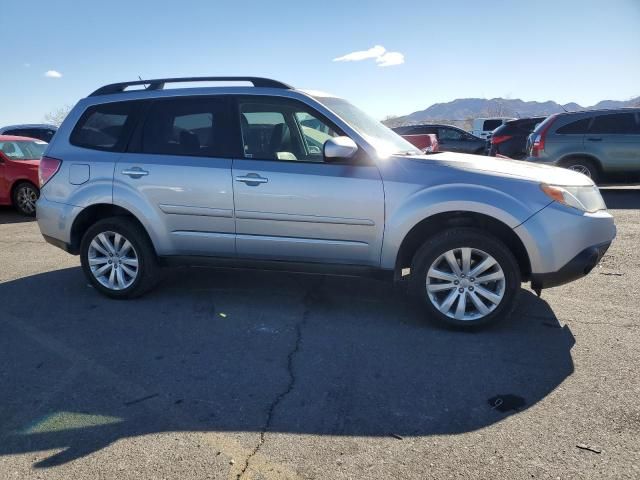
(421, 130)
(528, 126)
(192, 127)
(490, 125)
(450, 134)
(18, 132)
(279, 129)
(620, 123)
(579, 127)
(402, 130)
(104, 127)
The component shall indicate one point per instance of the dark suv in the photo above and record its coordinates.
(599, 144)
(450, 138)
(510, 139)
(39, 131)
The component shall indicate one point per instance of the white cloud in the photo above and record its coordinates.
(373, 52)
(52, 74)
(377, 53)
(390, 59)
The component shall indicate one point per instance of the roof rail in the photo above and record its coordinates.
(158, 83)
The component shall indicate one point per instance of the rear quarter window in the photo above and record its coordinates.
(577, 127)
(105, 127)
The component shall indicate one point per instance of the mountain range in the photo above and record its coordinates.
(462, 110)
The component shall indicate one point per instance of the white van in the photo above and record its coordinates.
(482, 127)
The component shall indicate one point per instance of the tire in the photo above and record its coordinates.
(109, 236)
(437, 293)
(24, 197)
(585, 166)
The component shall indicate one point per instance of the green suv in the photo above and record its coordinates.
(600, 144)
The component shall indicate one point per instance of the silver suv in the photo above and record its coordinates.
(599, 143)
(269, 176)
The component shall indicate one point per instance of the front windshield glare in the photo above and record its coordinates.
(383, 139)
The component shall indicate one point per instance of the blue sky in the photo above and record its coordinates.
(569, 50)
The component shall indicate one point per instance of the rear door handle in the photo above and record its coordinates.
(135, 172)
(252, 179)
(594, 139)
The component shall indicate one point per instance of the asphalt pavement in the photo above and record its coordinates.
(261, 375)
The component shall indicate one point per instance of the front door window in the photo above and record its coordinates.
(280, 129)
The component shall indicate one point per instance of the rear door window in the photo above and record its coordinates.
(196, 127)
(105, 127)
(615, 123)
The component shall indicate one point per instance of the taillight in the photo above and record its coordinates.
(537, 145)
(495, 140)
(47, 169)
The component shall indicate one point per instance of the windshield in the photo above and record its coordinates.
(23, 149)
(383, 139)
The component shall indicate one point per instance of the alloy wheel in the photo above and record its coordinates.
(581, 169)
(113, 260)
(465, 283)
(26, 198)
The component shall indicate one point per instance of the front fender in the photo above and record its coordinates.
(449, 198)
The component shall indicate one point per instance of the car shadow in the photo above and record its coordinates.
(621, 198)
(246, 351)
(10, 215)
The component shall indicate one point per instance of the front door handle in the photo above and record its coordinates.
(135, 172)
(252, 179)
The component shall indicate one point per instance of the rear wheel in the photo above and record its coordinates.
(118, 258)
(585, 166)
(465, 278)
(25, 196)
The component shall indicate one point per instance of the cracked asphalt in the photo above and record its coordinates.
(231, 374)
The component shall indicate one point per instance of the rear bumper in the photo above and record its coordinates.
(55, 221)
(58, 243)
(577, 267)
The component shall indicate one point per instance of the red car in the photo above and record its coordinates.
(19, 161)
(427, 142)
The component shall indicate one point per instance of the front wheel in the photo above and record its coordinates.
(583, 166)
(118, 258)
(465, 277)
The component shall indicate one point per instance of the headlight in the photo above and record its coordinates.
(584, 198)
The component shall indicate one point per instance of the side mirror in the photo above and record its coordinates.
(339, 148)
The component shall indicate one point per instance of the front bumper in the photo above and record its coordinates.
(556, 235)
(577, 267)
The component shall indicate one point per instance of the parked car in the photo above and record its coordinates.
(510, 140)
(426, 142)
(484, 127)
(40, 131)
(598, 143)
(450, 138)
(19, 160)
(135, 179)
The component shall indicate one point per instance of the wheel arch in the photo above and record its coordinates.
(94, 213)
(461, 218)
(574, 156)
